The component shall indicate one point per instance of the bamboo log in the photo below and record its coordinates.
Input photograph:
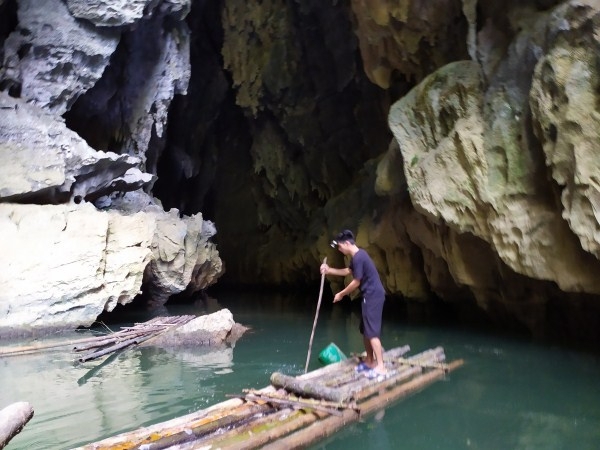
(12, 420)
(287, 396)
(108, 340)
(268, 431)
(307, 388)
(363, 386)
(347, 384)
(106, 351)
(296, 404)
(424, 364)
(204, 431)
(147, 435)
(347, 366)
(405, 389)
(372, 388)
(135, 438)
(135, 338)
(13, 351)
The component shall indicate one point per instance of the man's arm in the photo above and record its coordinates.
(326, 270)
(352, 286)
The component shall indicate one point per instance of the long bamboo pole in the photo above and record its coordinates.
(312, 335)
(13, 351)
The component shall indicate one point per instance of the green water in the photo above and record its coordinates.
(510, 394)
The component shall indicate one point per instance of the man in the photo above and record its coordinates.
(364, 276)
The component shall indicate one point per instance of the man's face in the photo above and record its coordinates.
(344, 247)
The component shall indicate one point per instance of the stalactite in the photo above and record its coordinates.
(470, 12)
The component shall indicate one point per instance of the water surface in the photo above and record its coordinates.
(510, 394)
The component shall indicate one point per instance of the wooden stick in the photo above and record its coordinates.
(312, 335)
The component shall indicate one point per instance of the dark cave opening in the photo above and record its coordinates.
(8, 24)
(186, 169)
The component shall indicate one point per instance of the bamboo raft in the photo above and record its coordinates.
(293, 412)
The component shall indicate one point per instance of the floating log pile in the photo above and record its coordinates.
(106, 343)
(128, 336)
(292, 412)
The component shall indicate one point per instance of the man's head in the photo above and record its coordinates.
(343, 240)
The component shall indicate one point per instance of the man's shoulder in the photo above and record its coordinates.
(361, 257)
(362, 254)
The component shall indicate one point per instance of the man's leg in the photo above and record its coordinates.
(369, 361)
(375, 344)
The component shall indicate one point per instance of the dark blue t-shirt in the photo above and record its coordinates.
(363, 269)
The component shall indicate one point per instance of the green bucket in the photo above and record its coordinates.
(331, 354)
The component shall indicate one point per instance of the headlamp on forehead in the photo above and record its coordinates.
(344, 236)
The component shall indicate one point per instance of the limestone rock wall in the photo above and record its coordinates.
(80, 229)
(504, 149)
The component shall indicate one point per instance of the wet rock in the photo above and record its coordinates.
(214, 329)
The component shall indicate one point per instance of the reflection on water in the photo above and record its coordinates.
(77, 402)
(510, 394)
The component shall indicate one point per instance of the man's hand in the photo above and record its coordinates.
(337, 297)
(324, 269)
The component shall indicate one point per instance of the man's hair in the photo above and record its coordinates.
(344, 236)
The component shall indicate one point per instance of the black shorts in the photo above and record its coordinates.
(370, 323)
